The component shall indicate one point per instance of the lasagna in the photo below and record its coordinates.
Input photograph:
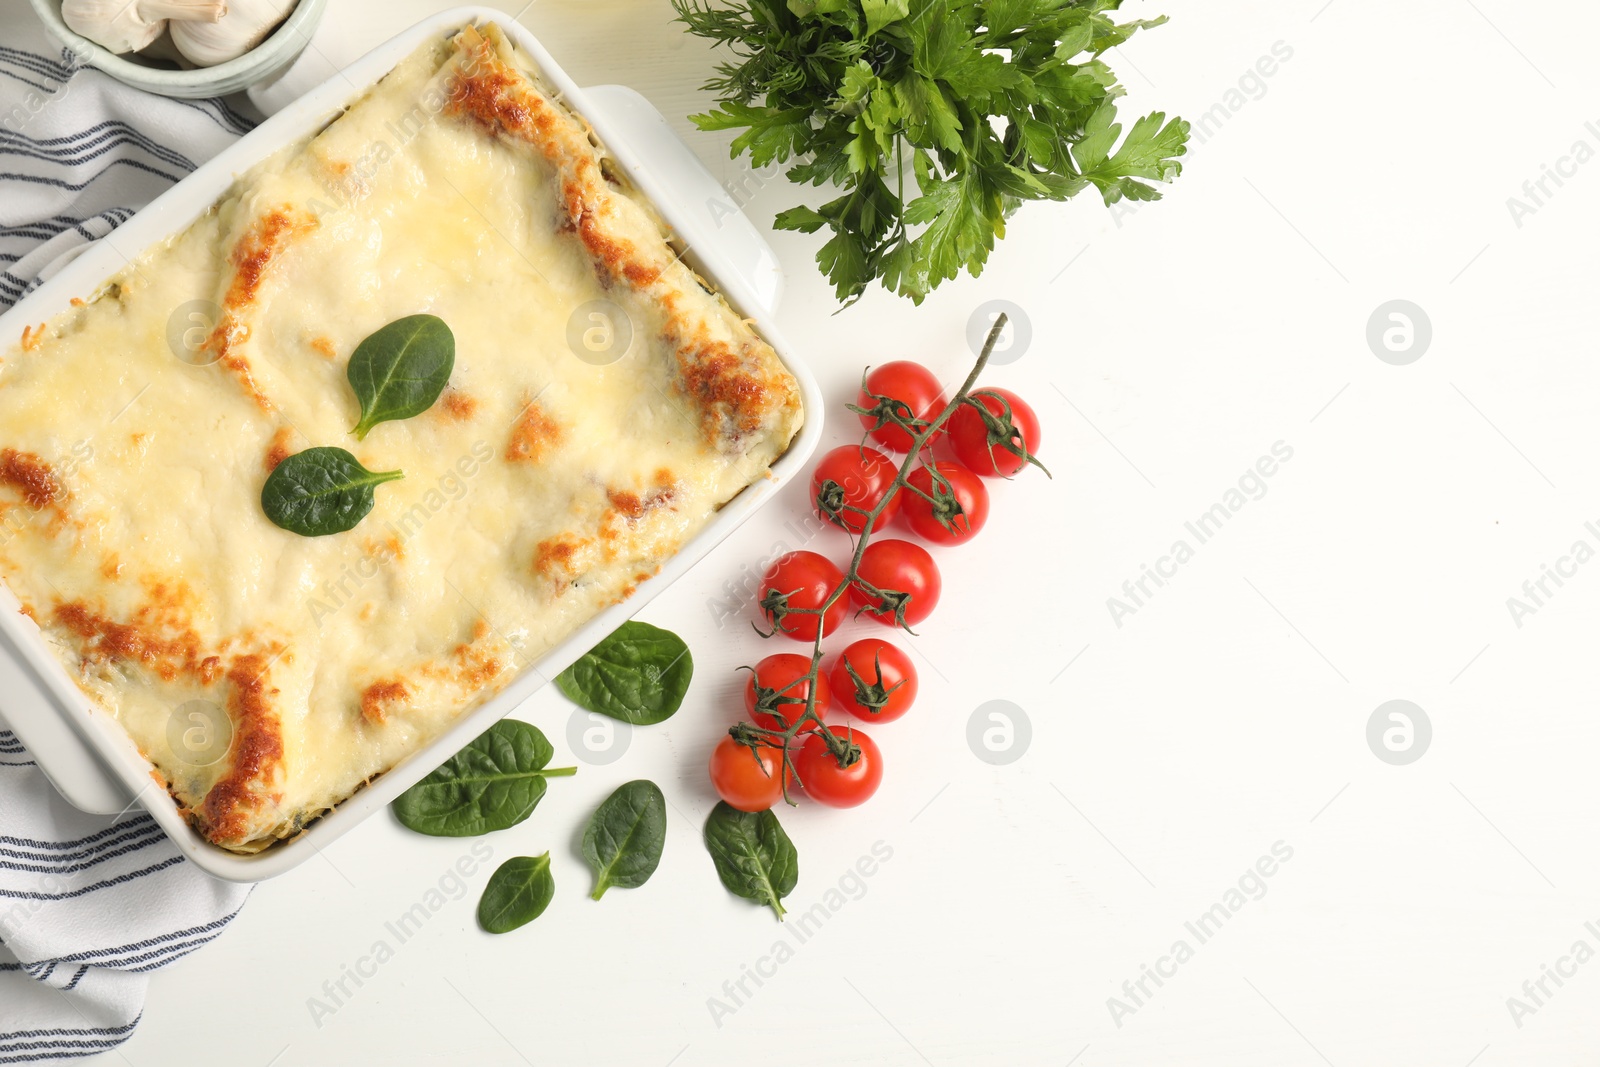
(605, 402)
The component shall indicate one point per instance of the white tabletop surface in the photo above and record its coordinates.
(1226, 717)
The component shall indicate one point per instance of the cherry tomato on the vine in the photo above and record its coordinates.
(910, 383)
(828, 783)
(887, 684)
(922, 515)
(905, 573)
(969, 436)
(802, 580)
(861, 477)
(749, 779)
(780, 673)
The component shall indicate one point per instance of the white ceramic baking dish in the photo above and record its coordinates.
(83, 750)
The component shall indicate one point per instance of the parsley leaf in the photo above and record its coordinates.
(936, 120)
(882, 12)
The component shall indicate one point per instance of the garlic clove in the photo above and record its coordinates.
(129, 25)
(246, 24)
(163, 53)
(185, 10)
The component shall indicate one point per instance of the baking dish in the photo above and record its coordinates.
(48, 710)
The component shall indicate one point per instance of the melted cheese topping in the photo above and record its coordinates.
(266, 675)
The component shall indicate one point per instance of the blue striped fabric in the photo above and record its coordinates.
(60, 853)
(88, 906)
(79, 152)
(141, 843)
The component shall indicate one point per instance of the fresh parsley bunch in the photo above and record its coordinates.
(937, 118)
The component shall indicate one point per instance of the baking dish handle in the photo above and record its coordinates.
(670, 173)
(72, 767)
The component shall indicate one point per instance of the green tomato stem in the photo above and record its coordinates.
(843, 748)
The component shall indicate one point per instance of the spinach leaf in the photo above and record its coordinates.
(321, 491)
(755, 859)
(517, 893)
(493, 783)
(400, 370)
(623, 841)
(639, 675)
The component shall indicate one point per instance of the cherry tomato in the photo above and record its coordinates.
(923, 516)
(969, 437)
(828, 783)
(802, 580)
(747, 778)
(897, 567)
(910, 383)
(863, 477)
(778, 674)
(888, 681)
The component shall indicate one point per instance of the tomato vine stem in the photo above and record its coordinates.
(922, 433)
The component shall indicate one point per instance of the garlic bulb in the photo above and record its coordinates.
(246, 25)
(129, 25)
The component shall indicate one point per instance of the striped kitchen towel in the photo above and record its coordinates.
(80, 151)
(89, 905)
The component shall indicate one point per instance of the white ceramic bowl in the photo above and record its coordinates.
(281, 48)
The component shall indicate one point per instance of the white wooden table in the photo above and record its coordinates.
(1225, 719)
